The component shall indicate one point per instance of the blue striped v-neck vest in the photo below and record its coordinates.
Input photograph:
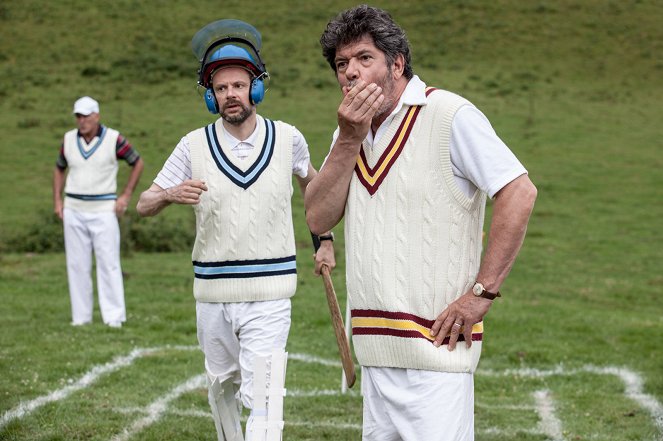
(245, 247)
(92, 179)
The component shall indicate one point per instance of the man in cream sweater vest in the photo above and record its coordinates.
(410, 168)
(237, 174)
(91, 209)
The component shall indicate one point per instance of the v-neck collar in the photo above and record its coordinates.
(228, 143)
(86, 153)
(372, 177)
(257, 161)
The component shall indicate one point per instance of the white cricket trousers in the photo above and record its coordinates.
(417, 405)
(83, 234)
(231, 335)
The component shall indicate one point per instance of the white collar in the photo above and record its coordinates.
(413, 95)
(234, 142)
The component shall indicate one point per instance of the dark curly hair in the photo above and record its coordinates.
(353, 24)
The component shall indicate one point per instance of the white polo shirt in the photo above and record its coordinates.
(177, 168)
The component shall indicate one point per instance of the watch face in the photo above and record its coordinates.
(477, 289)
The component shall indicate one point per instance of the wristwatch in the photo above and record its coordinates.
(479, 291)
(317, 239)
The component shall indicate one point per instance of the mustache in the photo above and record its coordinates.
(233, 103)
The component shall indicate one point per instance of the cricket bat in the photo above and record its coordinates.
(339, 328)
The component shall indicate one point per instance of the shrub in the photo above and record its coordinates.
(154, 234)
(43, 235)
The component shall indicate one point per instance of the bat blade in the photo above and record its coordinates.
(339, 328)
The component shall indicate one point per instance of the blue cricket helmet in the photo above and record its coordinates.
(228, 42)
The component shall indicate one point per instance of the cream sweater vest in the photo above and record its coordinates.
(92, 178)
(245, 247)
(414, 245)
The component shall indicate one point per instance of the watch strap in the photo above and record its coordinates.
(484, 292)
(490, 295)
(317, 240)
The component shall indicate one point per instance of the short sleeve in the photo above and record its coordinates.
(300, 154)
(177, 168)
(479, 158)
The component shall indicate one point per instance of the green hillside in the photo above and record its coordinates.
(569, 85)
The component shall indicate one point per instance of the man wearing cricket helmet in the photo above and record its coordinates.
(237, 174)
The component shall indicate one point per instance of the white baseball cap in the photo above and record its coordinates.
(86, 106)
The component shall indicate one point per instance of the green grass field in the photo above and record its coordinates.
(572, 352)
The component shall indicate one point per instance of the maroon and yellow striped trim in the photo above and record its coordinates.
(372, 177)
(400, 324)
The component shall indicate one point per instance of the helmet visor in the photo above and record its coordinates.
(232, 31)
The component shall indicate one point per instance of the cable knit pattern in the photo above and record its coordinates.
(430, 230)
(375, 263)
(254, 216)
(401, 236)
(282, 235)
(353, 241)
(245, 247)
(199, 172)
(426, 234)
(455, 254)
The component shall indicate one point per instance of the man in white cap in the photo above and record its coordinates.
(237, 175)
(91, 209)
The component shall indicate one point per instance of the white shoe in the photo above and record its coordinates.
(80, 323)
(116, 324)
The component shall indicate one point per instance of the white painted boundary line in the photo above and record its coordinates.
(525, 407)
(319, 423)
(26, 408)
(160, 405)
(632, 382)
(548, 424)
(509, 433)
(289, 423)
(157, 408)
(634, 387)
(297, 393)
(322, 424)
(312, 359)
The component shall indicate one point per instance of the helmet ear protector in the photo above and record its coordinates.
(210, 101)
(256, 95)
(227, 54)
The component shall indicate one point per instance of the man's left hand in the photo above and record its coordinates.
(459, 318)
(121, 205)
